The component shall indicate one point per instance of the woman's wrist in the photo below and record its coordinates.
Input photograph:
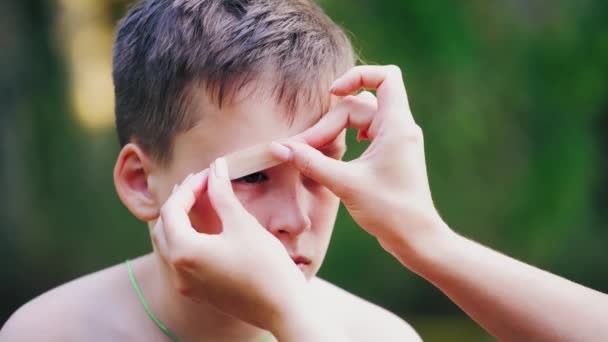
(417, 242)
(301, 321)
(293, 325)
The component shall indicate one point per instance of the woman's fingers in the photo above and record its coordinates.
(387, 80)
(159, 240)
(222, 197)
(313, 164)
(352, 111)
(174, 221)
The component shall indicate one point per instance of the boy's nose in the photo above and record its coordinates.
(290, 214)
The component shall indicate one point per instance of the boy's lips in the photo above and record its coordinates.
(300, 260)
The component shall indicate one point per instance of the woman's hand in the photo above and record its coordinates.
(243, 271)
(386, 189)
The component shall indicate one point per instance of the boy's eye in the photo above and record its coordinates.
(256, 177)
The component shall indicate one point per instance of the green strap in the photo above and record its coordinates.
(268, 338)
(145, 304)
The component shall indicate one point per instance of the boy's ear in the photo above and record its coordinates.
(131, 174)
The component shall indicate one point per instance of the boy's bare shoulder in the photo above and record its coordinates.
(86, 308)
(362, 320)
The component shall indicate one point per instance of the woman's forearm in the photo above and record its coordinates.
(303, 323)
(510, 299)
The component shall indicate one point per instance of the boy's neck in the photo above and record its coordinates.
(188, 320)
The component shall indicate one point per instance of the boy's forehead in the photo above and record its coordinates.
(247, 120)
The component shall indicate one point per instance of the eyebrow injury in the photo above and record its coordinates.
(250, 160)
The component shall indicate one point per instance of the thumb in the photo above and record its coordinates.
(313, 164)
(220, 192)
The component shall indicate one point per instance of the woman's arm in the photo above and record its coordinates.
(386, 192)
(512, 300)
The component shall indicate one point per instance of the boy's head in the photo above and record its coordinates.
(196, 79)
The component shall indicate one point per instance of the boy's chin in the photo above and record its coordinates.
(304, 269)
(308, 270)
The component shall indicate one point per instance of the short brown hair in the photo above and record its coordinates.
(163, 47)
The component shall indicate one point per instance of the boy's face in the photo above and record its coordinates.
(297, 210)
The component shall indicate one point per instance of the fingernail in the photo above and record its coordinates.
(220, 168)
(281, 151)
(198, 176)
(334, 85)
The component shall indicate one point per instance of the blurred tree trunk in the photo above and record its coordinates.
(31, 107)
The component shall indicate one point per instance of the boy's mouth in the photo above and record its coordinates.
(300, 261)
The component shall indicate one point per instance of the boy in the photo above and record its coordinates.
(195, 80)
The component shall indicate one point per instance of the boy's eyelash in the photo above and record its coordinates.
(256, 177)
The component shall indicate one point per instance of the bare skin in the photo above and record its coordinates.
(386, 191)
(289, 214)
(103, 307)
(510, 299)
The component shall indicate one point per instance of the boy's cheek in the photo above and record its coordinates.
(251, 198)
(254, 199)
(203, 217)
(205, 220)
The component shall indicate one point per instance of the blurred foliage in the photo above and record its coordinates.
(512, 97)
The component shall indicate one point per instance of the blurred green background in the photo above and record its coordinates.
(512, 97)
